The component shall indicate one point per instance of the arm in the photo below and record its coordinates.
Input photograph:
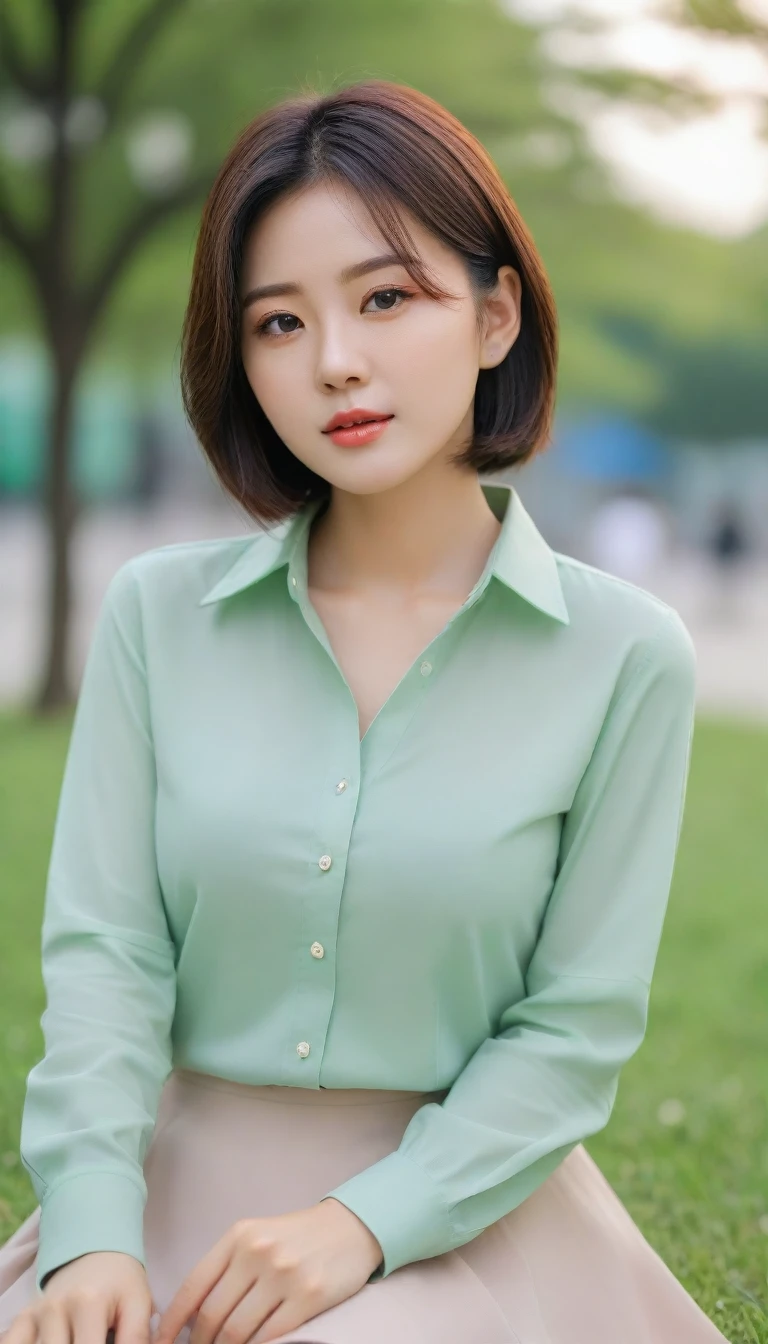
(549, 1076)
(108, 964)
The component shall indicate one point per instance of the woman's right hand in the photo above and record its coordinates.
(84, 1299)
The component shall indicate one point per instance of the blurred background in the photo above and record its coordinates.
(633, 135)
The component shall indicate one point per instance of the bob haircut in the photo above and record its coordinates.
(394, 147)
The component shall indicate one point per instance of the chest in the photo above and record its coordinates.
(453, 800)
(376, 642)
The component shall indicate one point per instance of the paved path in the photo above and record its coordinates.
(729, 627)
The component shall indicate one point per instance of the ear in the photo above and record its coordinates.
(501, 318)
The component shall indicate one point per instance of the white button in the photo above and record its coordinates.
(325, 862)
(426, 668)
(341, 786)
(302, 1049)
(317, 950)
(293, 580)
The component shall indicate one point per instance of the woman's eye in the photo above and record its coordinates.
(388, 298)
(266, 328)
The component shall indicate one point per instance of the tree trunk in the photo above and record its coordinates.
(64, 322)
(60, 512)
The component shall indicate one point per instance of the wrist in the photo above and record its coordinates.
(372, 1242)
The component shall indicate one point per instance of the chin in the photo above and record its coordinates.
(366, 473)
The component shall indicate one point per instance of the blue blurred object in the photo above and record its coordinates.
(609, 448)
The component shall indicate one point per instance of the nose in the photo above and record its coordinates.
(341, 361)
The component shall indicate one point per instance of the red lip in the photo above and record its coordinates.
(358, 413)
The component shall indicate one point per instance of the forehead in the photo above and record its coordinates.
(319, 230)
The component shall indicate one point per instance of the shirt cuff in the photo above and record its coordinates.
(90, 1211)
(403, 1208)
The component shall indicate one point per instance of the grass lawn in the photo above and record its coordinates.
(687, 1145)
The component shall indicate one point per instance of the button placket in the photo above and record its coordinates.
(318, 1001)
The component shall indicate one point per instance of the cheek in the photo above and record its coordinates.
(439, 363)
(273, 383)
(264, 374)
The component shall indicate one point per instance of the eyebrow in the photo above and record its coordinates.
(349, 273)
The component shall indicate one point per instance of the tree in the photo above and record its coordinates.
(70, 307)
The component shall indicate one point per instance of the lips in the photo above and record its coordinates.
(358, 415)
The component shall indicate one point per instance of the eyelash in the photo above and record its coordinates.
(261, 327)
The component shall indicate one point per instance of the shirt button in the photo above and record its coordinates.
(302, 1049)
(325, 862)
(317, 950)
(341, 786)
(293, 580)
(426, 668)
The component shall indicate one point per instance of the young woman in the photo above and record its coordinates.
(368, 821)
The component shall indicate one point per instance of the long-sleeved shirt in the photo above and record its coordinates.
(471, 898)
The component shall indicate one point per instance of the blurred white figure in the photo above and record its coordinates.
(628, 536)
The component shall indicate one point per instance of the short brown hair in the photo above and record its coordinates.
(394, 146)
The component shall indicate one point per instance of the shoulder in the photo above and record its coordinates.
(152, 601)
(614, 617)
(175, 575)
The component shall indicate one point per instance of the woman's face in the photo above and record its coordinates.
(349, 331)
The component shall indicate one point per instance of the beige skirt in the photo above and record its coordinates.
(569, 1266)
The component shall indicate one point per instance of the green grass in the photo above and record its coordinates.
(698, 1189)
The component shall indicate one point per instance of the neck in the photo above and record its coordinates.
(430, 536)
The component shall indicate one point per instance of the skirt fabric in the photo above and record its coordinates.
(568, 1266)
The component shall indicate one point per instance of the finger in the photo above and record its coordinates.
(23, 1330)
(224, 1299)
(132, 1325)
(54, 1323)
(238, 1289)
(192, 1293)
(255, 1311)
(285, 1317)
(90, 1320)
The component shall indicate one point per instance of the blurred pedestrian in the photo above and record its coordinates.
(729, 548)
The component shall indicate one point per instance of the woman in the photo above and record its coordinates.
(368, 823)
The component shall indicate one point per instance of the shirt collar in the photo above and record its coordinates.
(520, 557)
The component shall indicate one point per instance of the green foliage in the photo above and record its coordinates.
(714, 389)
(733, 17)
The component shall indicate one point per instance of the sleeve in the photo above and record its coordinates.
(549, 1076)
(108, 963)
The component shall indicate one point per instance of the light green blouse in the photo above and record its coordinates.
(471, 898)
